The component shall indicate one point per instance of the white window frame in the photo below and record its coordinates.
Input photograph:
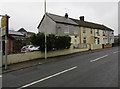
(66, 30)
(84, 30)
(75, 32)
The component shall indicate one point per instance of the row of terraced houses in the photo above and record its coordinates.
(83, 34)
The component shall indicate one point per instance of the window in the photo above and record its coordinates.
(91, 30)
(84, 30)
(66, 30)
(97, 32)
(98, 41)
(103, 33)
(84, 40)
(112, 32)
(75, 32)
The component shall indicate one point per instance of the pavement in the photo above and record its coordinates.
(98, 68)
(40, 61)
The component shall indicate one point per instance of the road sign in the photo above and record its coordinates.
(3, 21)
(3, 31)
(4, 25)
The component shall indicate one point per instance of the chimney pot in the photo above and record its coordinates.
(66, 15)
(82, 18)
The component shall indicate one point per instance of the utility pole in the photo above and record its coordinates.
(4, 32)
(1, 46)
(45, 30)
(6, 40)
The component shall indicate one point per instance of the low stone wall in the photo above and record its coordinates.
(21, 57)
(107, 45)
(94, 46)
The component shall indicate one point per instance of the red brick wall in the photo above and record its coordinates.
(10, 48)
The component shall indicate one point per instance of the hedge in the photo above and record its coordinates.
(54, 42)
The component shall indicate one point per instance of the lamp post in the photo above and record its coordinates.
(45, 30)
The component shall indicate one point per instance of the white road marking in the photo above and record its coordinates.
(47, 77)
(116, 52)
(0, 76)
(98, 58)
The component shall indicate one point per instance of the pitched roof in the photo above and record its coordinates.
(71, 21)
(15, 33)
(22, 30)
(59, 19)
(91, 25)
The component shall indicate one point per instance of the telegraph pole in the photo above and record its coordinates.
(4, 32)
(45, 30)
(6, 40)
(1, 46)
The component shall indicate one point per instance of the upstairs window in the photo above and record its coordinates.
(103, 33)
(84, 30)
(97, 32)
(66, 29)
(91, 31)
(112, 32)
(75, 32)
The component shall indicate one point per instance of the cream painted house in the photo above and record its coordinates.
(95, 35)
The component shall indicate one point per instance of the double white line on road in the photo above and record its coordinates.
(47, 77)
(98, 58)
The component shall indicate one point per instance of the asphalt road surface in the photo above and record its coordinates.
(97, 69)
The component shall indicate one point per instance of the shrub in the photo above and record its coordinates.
(53, 41)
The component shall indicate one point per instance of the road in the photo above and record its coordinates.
(95, 69)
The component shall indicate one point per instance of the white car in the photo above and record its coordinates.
(29, 48)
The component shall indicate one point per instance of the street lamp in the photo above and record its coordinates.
(45, 31)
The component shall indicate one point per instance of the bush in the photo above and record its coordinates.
(53, 41)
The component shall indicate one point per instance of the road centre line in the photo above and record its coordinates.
(98, 58)
(116, 52)
(27, 85)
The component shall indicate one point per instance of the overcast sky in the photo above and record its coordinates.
(29, 14)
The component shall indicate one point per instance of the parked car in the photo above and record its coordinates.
(29, 48)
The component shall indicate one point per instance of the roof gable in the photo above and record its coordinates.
(22, 30)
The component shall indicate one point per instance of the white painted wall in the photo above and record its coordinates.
(50, 26)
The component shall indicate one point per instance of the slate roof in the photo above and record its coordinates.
(91, 25)
(61, 19)
(15, 33)
(71, 21)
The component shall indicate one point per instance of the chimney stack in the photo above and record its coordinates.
(82, 18)
(66, 15)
